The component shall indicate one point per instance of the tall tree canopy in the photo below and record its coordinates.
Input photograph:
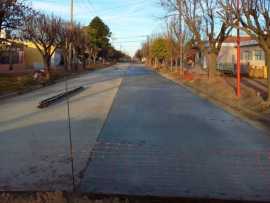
(99, 33)
(99, 37)
(159, 49)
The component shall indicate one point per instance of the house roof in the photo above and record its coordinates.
(230, 41)
(244, 41)
(233, 39)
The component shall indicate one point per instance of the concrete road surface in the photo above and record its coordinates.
(162, 140)
(134, 133)
(34, 143)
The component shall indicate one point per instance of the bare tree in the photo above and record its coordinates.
(13, 14)
(94, 53)
(179, 39)
(254, 18)
(66, 37)
(202, 19)
(45, 32)
(171, 44)
(81, 45)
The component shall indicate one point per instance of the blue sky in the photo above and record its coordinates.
(129, 20)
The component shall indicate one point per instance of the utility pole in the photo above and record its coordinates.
(148, 51)
(181, 39)
(71, 28)
(68, 104)
(238, 88)
(171, 47)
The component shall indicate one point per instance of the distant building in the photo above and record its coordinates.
(24, 55)
(3, 34)
(250, 51)
(251, 54)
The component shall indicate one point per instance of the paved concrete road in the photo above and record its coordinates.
(34, 143)
(161, 140)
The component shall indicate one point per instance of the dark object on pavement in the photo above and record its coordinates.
(47, 102)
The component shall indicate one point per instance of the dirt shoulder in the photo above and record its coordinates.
(64, 197)
(221, 91)
(16, 84)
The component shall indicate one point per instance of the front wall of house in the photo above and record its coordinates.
(253, 55)
(32, 57)
(227, 55)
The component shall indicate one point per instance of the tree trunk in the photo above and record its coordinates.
(175, 64)
(66, 65)
(212, 64)
(171, 64)
(84, 64)
(94, 58)
(76, 68)
(47, 63)
(10, 59)
(267, 58)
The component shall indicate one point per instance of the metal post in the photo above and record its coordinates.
(68, 107)
(148, 51)
(238, 89)
(71, 28)
(181, 40)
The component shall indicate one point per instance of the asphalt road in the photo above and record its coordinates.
(134, 133)
(162, 140)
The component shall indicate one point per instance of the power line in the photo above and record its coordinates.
(88, 5)
(105, 11)
(135, 36)
(92, 5)
(126, 42)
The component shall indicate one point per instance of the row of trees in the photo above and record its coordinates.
(210, 22)
(167, 48)
(49, 33)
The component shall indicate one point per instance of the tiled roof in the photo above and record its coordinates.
(233, 39)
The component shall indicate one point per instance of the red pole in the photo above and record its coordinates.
(238, 54)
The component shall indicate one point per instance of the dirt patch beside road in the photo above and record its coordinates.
(14, 83)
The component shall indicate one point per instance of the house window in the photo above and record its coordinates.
(248, 55)
(5, 57)
(259, 55)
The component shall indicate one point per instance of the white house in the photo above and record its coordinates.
(3, 34)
